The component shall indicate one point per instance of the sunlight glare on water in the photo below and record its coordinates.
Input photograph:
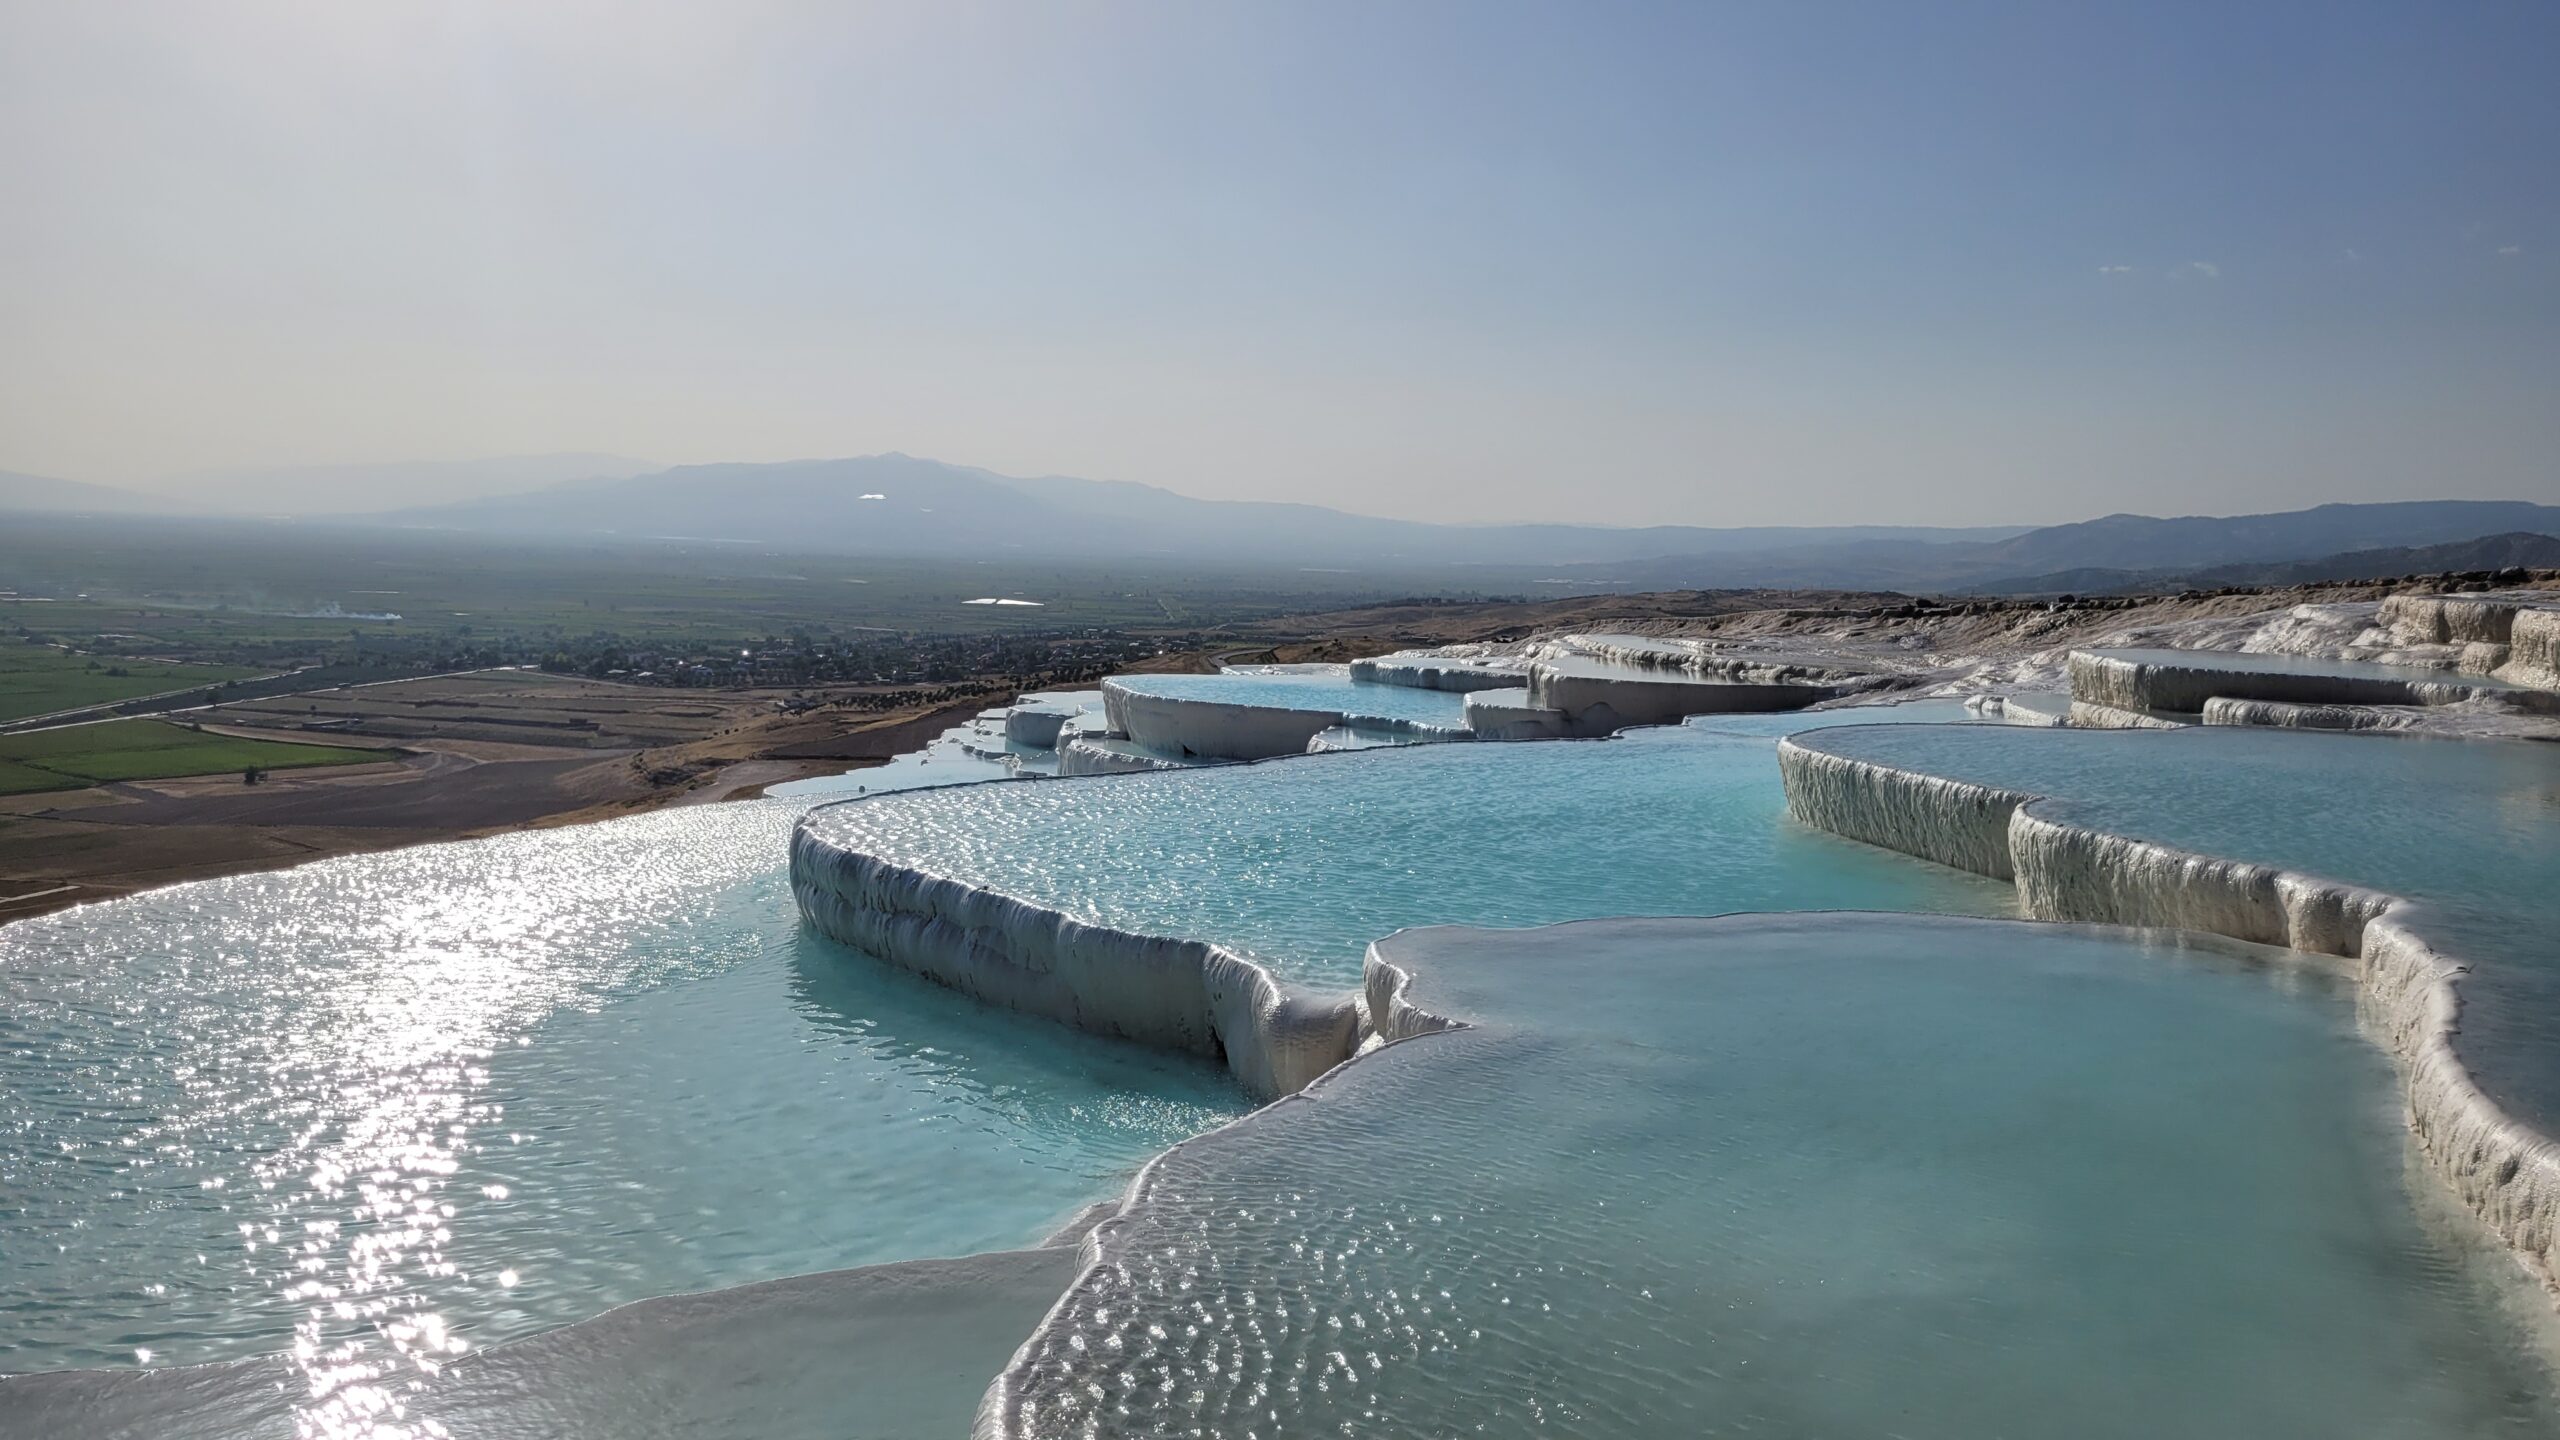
(379, 1111)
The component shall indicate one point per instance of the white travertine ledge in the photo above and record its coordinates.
(1596, 702)
(2155, 681)
(2451, 619)
(1212, 728)
(1105, 755)
(1674, 657)
(2045, 712)
(1433, 672)
(2478, 721)
(2534, 653)
(1182, 995)
(2503, 1170)
(1225, 730)
(2086, 715)
(2285, 715)
(1035, 725)
(1512, 715)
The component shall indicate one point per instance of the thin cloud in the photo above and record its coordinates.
(2510, 250)
(2205, 268)
(2115, 269)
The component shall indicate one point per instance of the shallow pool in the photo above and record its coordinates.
(1304, 861)
(2471, 825)
(397, 1105)
(1805, 1176)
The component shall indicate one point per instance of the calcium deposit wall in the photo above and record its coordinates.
(1180, 995)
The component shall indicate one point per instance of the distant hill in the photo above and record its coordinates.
(2489, 552)
(2191, 542)
(364, 488)
(915, 508)
(903, 505)
(73, 497)
(2098, 556)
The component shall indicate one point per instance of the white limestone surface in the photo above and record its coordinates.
(1425, 670)
(1600, 698)
(1112, 755)
(1704, 660)
(2534, 650)
(2158, 680)
(1035, 725)
(1953, 822)
(2037, 711)
(1214, 729)
(2469, 720)
(2282, 715)
(2483, 618)
(1512, 715)
(2087, 715)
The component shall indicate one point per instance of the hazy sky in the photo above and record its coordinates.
(1711, 263)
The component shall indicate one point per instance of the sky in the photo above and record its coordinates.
(1697, 263)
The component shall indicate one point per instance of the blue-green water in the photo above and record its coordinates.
(1880, 1176)
(1309, 688)
(1303, 862)
(1840, 1179)
(388, 1106)
(2470, 825)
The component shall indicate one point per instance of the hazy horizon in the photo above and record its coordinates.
(1624, 265)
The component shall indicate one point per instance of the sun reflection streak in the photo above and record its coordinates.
(310, 1061)
(374, 1116)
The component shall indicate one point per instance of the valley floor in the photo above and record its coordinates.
(70, 847)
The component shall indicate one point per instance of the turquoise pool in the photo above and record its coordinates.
(1302, 862)
(2471, 825)
(1799, 1176)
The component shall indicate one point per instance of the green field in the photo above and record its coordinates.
(39, 679)
(83, 755)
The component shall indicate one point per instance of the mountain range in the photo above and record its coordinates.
(911, 507)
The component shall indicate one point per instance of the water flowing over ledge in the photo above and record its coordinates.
(2504, 1170)
(1182, 995)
